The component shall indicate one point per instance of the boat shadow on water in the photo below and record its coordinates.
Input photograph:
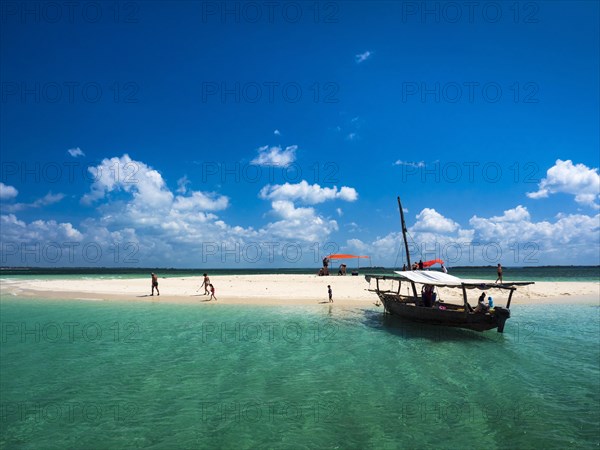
(407, 329)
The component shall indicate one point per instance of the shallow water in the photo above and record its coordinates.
(112, 375)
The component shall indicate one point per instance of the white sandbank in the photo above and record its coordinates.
(277, 290)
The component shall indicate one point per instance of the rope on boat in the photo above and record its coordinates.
(400, 250)
(415, 242)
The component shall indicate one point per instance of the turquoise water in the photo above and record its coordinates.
(549, 273)
(126, 375)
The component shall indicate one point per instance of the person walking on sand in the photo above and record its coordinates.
(499, 273)
(212, 293)
(205, 283)
(154, 284)
(330, 292)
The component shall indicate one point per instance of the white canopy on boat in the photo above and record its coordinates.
(431, 277)
(442, 279)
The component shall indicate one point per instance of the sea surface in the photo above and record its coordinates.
(98, 374)
(546, 273)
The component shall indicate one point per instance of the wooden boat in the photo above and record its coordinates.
(424, 308)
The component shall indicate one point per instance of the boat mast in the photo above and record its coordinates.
(412, 283)
(404, 233)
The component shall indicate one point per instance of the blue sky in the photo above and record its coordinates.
(268, 134)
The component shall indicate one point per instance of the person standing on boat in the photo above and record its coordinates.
(421, 267)
(499, 273)
(330, 292)
(154, 284)
(404, 269)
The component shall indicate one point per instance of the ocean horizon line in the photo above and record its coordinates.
(122, 268)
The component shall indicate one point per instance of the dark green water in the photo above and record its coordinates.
(81, 374)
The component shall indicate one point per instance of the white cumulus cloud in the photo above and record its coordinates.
(151, 204)
(575, 179)
(275, 156)
(124, 174)
(430, 220)
(357, 245)
(138, 220)
(310, 194)
(512, 238)
(7, 192)
(201, 201)
(299, 224)
(37, 232)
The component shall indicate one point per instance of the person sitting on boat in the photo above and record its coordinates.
(490, 302)
(427, 293)
(342, 270)
(481, 306)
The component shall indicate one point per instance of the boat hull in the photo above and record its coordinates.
(451, 317)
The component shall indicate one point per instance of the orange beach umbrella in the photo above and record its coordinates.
(345, 256)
